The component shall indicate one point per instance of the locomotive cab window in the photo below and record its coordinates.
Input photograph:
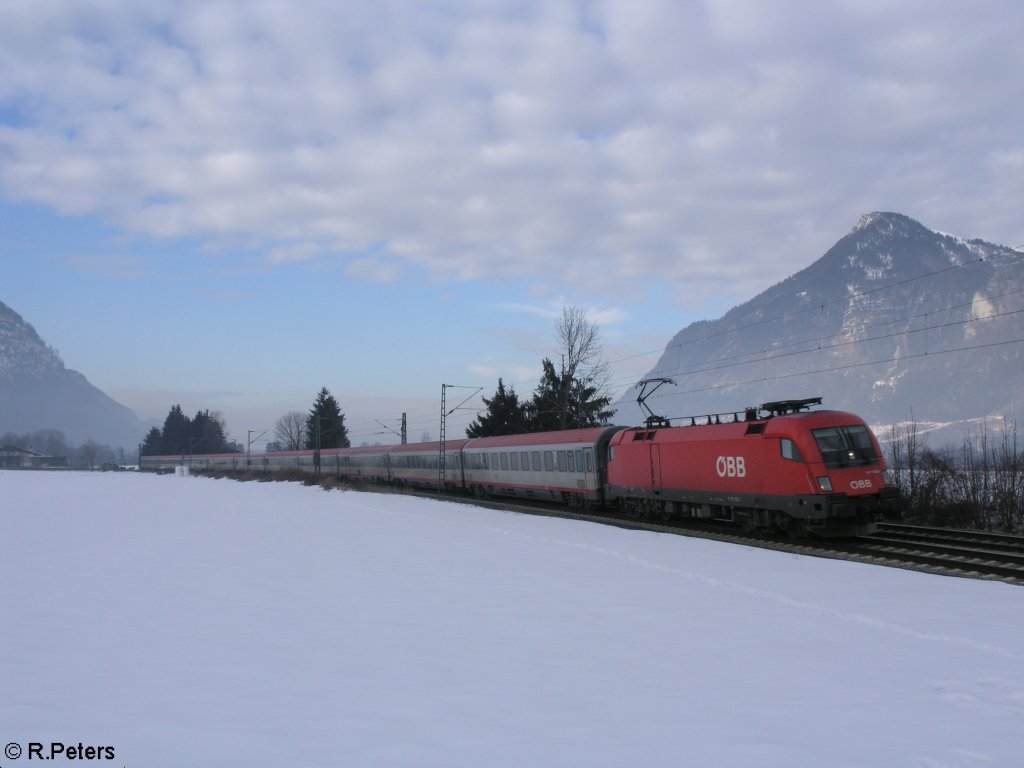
(790, 451)
(845, 446)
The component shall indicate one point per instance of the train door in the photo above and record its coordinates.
(591, 474)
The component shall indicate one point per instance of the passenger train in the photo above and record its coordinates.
(780, 467)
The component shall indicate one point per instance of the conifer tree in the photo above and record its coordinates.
(332, 430)
(206, 432)
(176, 432)
(153, 444)
(505, 415)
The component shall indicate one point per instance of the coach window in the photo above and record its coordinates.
(549, 461)
(535, 455)
(514, 461)
(588, 454)
(790, 451)
(579, 461)
(561, 461)
(504, 461)
(571, 456)
(524, 459)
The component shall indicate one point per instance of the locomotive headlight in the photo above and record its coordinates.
(825, 485)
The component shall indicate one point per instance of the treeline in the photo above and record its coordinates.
(206, 432)
(572, 395)
(52, 442)
(978, 484)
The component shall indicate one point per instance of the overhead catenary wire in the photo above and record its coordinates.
(821, 341)
(1005, 251)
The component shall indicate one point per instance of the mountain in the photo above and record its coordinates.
(38, 392)
(894, 321)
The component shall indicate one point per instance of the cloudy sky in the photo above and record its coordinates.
(230, 204)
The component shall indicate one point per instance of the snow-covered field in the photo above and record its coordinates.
(198, 622)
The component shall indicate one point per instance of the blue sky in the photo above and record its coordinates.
(229, 205)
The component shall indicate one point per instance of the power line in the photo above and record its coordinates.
(883, 361)
(1005, 251)
(770, 354)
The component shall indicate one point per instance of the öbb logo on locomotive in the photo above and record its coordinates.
(731, 466)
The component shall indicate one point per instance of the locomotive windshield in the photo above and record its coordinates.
(845, 446)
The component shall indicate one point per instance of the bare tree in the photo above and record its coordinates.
(579, 341)
(89, 452)
(1008, 488)
(290, 431)
(981, 485)
(582, 385)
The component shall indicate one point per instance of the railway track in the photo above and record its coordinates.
(974, 554)
(999, 542)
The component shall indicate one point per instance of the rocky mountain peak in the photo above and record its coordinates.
(894, 319)
(38, 392)
(21, 349)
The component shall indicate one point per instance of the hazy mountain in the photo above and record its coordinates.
(38, 392)
(894, 320)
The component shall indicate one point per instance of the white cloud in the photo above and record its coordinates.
(710, 144)
(484, 371)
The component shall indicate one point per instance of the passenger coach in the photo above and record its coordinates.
(567, 467)
(419, 464)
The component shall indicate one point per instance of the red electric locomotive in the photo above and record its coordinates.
(802, 472)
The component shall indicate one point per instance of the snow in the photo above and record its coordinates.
(190, 621)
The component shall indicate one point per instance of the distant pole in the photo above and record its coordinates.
(441, 475)
(192, 443)
(405, 434)
(316, 452)
(440, 458)
(248, 446)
